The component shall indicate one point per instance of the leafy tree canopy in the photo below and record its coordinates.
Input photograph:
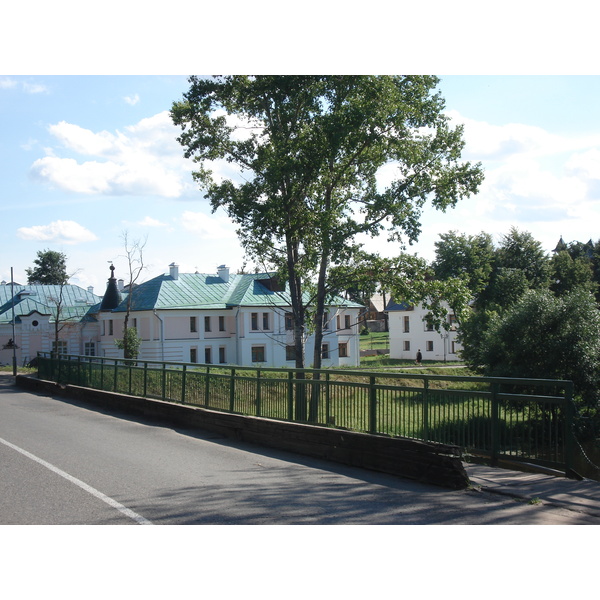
(323, 162)
(50, 269)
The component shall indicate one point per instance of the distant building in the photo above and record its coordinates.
(410, 331)
(242, 319)
(222, 318)
(41, 310)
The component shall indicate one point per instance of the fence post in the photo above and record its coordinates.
(116, 374)
(101, 373)
(164, 381)
(494, 425)
(183, 375)
(569, 433)
(425, 409)
(258, 398)
(207, 387)
(290, 395)
(145, 379)
(372, 405)
(232, 391)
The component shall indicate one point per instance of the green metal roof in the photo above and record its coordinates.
(202, 291)
(43, 299)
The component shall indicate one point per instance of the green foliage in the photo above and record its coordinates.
(130, 343)
(543, 336)
(50, 269)
(569, 273)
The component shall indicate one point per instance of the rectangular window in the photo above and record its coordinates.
(326, 320)
(207, 324)
(222, 355)
(193, 325)
(258, 354)
(325, 351)
(338, 322)
(135, 323)
(428, 323)
(221, 323)
(346, 321)
(406, 345)
(406, 322)
(289, 321)
(110, 327)
(343, 350)
(89, 349)
(254, 322)
(208, 355)
(266, 322)
(59, 347)
(290, 353)
(193, 355)
(429, 346)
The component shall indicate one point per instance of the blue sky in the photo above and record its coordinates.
(85, 158)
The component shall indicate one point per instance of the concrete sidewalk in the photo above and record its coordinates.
(580, 496)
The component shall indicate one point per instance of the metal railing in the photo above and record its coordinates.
(528, 420)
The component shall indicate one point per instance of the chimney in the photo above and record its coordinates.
(121, 284)
(91, 289)
(174, 271)
(223, 273)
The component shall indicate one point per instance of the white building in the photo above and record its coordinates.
(410, 331)
(241, 319)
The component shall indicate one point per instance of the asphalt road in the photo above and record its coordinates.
(63, 463)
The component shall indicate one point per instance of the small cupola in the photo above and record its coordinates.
(112, 296)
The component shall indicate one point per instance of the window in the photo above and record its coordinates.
(452, 321)
(221, 323)
(266, 322)
(258, 354)
(343, 350)
(59, 347)
(338, 322)
(455, 347)
(346, 321)
(406, 321)
(207, 355)
(193, 325)
(429, 346)
(254, 322)
(207, 324)
(110, 327)
(290, 353)
(325, 351)
(193, 355)
(222, 355)
(89, 349)
(135, 323)
(406, 345)
(289, 321)
(428, 323)
(325, 320)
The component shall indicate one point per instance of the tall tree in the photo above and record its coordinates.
(312, 151)
(471, 256)
(50, 269)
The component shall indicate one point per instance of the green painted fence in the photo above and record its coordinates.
(528, 420)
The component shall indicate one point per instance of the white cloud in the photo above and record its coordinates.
(209, 227)
(64, 232)
(132, 100)
(145, 159)
(7, 83)
(150, 222)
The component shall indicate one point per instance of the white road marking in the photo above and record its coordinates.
(84, 486)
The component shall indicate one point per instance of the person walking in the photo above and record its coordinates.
(419, 357)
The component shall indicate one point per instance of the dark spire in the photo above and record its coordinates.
(560, 246)
(112, 296)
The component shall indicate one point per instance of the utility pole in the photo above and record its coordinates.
(12, 293)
